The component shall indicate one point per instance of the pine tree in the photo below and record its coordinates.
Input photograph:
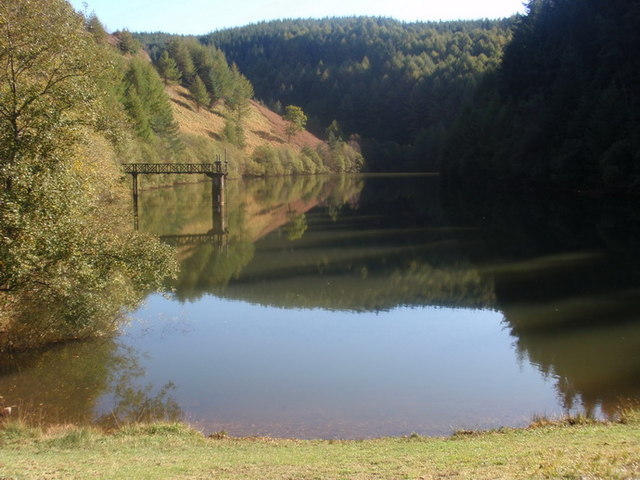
(168, 68)
(136, 111)
(147, 102)
(180, 53)
(128, 44)
(199, 93)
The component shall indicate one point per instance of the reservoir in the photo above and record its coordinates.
(361, 306)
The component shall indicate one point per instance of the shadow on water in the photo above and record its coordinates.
(566, 275)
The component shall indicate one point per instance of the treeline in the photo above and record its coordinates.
(399, 86)
(563, 110)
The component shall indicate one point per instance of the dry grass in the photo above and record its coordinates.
(262, 126)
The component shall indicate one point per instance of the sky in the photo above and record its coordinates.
(203, 16)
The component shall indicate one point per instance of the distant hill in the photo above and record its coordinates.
(549, 98)
(397, 87)
(562, 111)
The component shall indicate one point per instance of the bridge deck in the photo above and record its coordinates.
(195, 239)
(216, 168)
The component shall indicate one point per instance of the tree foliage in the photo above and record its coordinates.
(395, 84)
(95, 27)
(62, 244)
(199, 93)
(146, 101)
(45, 78)
(168, 68)
(296, 120)
(127, 42)
(563, 108)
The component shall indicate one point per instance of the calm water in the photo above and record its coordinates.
(362, 306)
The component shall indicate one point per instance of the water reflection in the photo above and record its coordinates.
(562, 270)
(83, 382)
(255, 209)
(566, 275)
(316, 242)
(360, 306)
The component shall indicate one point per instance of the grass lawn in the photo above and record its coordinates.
(174, 451)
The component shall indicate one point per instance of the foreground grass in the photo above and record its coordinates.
(162, 451)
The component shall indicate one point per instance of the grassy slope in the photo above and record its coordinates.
(173, 451)
(262, 126)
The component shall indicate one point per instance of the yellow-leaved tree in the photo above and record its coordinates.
(69, 266)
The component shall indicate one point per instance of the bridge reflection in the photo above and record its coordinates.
(218, 239)
(219, 233)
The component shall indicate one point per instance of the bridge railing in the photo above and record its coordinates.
(217, 167)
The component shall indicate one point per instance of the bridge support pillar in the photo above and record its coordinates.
(218, 203)
(134, 176)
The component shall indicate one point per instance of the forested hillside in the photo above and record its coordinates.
(563, 110)
(560, 108)
(391, 83)
(213, 86)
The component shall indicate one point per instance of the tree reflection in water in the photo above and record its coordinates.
(564, 271)
(566, 275)
(65, 384)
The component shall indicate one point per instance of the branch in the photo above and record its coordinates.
(51, 83)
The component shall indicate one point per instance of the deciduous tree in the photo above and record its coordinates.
(296, 120)
(61, 246)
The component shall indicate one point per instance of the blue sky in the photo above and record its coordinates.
(203, 16)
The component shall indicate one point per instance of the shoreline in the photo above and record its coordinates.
(572, 448)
